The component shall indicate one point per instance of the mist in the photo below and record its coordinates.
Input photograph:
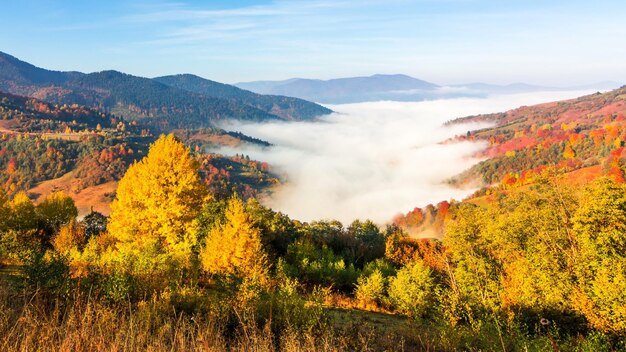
(373, 160)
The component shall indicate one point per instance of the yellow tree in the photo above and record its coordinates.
(70, 236)
(23, 216)
(600, 229)
(153, 215)
(234, 247)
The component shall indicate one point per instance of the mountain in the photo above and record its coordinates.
(347, 90)
(285, 107)
(566, 144)
(395, 88)
(156, 104)
(586, 133)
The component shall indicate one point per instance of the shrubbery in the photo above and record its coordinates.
(548, 254)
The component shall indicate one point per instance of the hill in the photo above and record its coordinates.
(566, 135)
(160, 106)
(347, 90)
(46, 147)
(285, 107)
(571, 142)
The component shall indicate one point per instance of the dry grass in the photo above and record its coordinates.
(94, 197)
(30, 323)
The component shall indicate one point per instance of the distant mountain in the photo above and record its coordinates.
(285, 107)
(508, 88)
(347, 90)
(395, 88)
(158, 105)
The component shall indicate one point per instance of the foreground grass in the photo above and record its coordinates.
(31, 323)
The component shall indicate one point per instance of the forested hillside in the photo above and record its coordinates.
(571, 142)
(160, 106)
(567, 135)
(285, 107)
(74, 148)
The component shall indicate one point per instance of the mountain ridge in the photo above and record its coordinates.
(281, 106)
(161, 106)
(395, 87)
(340, 90)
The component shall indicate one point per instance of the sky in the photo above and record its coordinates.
(558, 43)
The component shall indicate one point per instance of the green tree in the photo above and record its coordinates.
(56, 210)
(371, 288)
(412, 290)
(94, 223)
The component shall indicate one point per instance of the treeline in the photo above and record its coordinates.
(27, 160)
(537, 269)
(35, 116)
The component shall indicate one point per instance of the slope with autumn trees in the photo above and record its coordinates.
(567, 135)
(542, 268)
(573, 141)
(46, 147)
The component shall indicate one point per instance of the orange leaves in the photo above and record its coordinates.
(509, 179)
(11, 166)
(569, 153)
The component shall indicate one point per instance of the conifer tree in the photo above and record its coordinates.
(158, 200)
(234, 247)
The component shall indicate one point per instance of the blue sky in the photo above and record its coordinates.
(444, 41)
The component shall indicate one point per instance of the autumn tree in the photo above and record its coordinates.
(600, 227)
(412, 290)
(18, 227)
(23, 216)
(476, 272)
(56, 210)
(4, 210)
(568, 152)
(153, 215)
(234, 248)
(70, 236)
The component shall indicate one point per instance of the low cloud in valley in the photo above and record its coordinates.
(373, 160)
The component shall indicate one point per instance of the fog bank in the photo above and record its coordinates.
(373, 160)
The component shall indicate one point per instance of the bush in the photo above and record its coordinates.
(119, 287)
(371, 289)
(48, 273)
(412, 290)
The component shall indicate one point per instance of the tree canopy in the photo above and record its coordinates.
(157, 202)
